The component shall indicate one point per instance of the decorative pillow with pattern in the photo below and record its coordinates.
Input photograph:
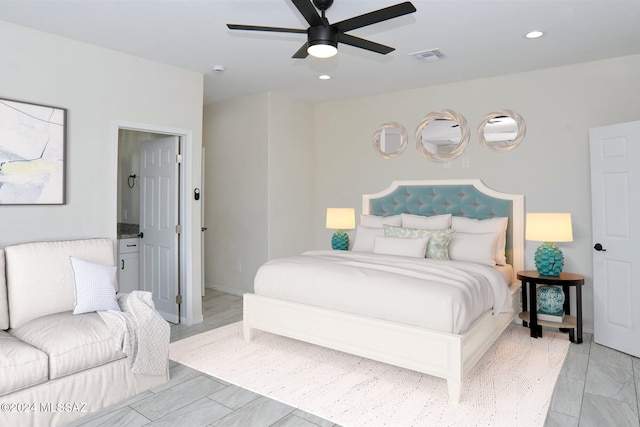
(94, 286)
(438, 244)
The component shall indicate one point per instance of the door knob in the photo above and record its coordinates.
(598, 247)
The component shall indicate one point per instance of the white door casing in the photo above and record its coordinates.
(615, 183)
(203, 228)
(159, 218)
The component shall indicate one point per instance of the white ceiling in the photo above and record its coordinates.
(479, 39)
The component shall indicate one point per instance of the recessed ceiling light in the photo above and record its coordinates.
(324, 77)
(534, 34)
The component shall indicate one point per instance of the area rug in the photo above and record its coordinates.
(510, 386)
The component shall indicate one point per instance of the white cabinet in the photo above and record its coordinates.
(128, 265)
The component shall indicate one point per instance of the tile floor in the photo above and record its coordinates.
(192, 399)
(597, 387)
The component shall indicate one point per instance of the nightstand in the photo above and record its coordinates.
(530, 280)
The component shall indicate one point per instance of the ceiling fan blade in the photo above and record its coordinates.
(259, 28)
(364, 44)
(375, 17)
(302, 52)
(309, 12)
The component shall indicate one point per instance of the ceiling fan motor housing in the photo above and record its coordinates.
(322, 35)
(322, 4)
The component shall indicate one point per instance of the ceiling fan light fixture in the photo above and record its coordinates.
(322, 50)
(322, 41)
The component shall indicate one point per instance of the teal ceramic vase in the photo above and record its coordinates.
(549, 259)
(550, 300)
(340, 241)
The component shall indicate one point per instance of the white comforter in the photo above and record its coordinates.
(446, 296)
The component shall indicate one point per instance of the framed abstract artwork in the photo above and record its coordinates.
(32, 153)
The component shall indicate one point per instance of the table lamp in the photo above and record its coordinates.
(340, 219)
(549, 228)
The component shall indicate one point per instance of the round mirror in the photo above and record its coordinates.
(442, 135)
(390, 140)
(501, 130)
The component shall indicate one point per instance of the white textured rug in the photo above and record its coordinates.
(510, 386)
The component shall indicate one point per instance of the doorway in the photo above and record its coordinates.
(128, 180)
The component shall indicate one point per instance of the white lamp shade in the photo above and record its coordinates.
(549, 227)
(341, 218)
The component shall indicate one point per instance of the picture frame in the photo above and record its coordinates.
(33, 139)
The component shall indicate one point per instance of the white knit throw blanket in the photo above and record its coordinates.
(140, 332)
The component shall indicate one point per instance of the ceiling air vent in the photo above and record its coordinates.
(428, 55)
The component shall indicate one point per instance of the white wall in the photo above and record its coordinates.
(550, 167)
(259, 184)
(98, 87)
(236, 139)
(291, 177)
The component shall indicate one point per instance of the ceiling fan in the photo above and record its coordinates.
(323, 38)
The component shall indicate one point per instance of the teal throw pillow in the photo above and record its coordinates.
(438, 244)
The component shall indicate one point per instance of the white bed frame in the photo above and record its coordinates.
(443, 355)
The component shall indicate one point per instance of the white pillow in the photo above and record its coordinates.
(365, 238)
(416, 247)
(437, 247)
(94, 286)
(491, 225)
(436, 222)
(473, 247)
(375, 221)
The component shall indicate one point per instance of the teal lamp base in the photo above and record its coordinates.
(340, 241)
(549, 259)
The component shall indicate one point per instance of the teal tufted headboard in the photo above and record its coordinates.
(468, 198)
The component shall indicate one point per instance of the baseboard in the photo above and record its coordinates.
(195, 321)
(226, 289)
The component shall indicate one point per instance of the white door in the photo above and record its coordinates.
(615, 184)
(159, 222)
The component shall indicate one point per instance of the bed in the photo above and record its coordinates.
(447, 349)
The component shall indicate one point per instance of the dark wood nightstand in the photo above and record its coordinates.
(531, 279)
